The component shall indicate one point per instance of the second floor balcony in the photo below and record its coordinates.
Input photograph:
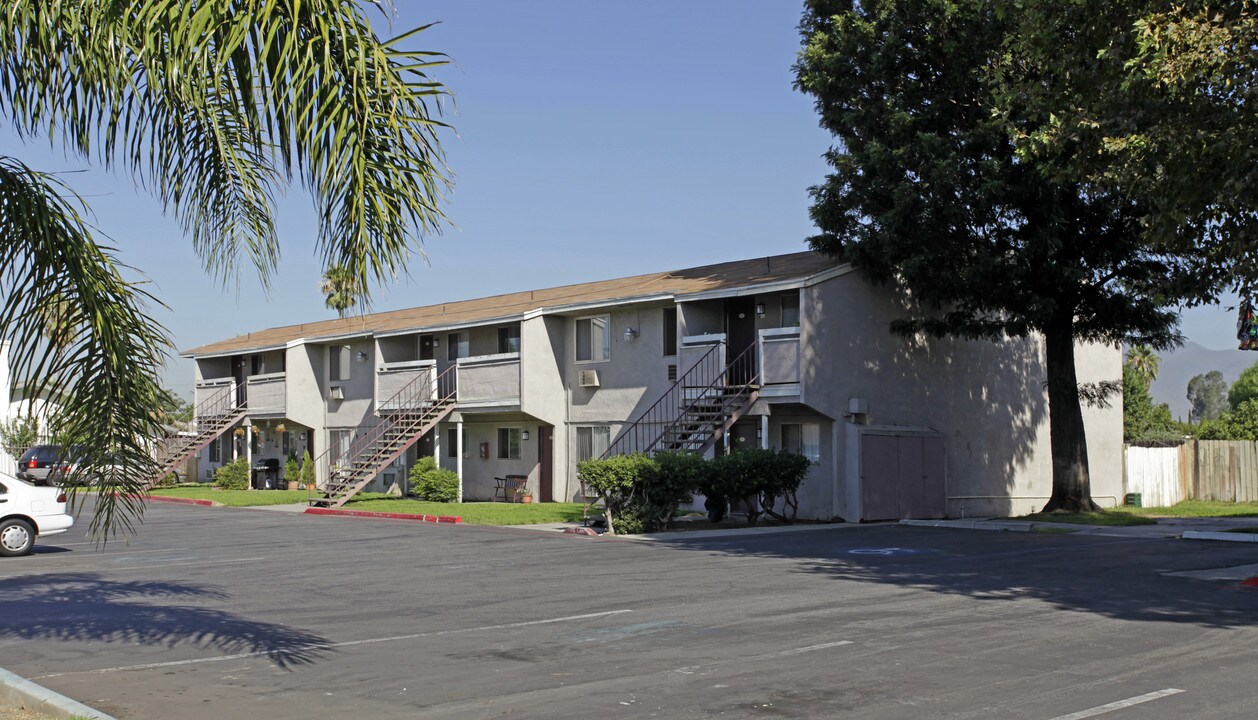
(267, 394)
(393, 378)
(489, 380)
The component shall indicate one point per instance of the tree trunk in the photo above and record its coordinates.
(1072, 486)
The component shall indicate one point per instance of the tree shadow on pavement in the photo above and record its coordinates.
(87, 607)
(1114, 577)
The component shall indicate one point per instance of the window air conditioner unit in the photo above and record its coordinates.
(336, 392)
(588, 378)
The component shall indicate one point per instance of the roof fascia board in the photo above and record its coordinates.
(450, 326)
(599, 305)
(229, 353)
(761, 288)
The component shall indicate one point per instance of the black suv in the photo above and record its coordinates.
(44, 464)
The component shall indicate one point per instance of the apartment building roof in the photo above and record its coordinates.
(708, 278)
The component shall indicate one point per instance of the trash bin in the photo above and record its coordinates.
(1132, 500)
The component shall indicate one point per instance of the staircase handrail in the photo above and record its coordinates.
(426, 388)
(741, 358)
(221, 402)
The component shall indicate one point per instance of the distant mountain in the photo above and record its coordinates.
(1180, 365)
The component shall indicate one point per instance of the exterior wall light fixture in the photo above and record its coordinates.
(759, 309)
(630, 334)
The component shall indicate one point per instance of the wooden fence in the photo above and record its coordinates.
(1198, 469)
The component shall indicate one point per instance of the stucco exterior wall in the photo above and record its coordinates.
(304, 381)
(359, 389)
(986, 398)
(543, 392)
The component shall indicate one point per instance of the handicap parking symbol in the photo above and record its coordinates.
(887, 551)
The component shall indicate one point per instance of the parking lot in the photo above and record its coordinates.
(213, 613)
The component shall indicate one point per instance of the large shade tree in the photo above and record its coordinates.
(214, 106)
(927, 191)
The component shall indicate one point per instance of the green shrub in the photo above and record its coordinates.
(429, 482)
(233, 476)
(292, 470)
(423, 465)
(307, 472)
(785, 473)
(170, 480)
(759, 479)
(17, 434)
(619, 480)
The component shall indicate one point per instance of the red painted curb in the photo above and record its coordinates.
(1250, 582)
(179, 500)
(448, 519)
(580, 531)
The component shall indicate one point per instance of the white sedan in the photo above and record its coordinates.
(28, 512)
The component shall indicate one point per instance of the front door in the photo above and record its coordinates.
(238, 374)
(740, 334)
(425, 347)
(546, 463)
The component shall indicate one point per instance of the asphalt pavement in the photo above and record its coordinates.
(213, 613)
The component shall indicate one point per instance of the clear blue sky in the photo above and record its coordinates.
(594, 140)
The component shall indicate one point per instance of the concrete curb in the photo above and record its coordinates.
(1224, 536)
(734, 532)
(1006, 526)
(181, 501)
(17, 691)
(442, 519)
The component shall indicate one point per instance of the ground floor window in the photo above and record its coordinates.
(508, 443)
(215, 452)
(452, 443)
(339, 441)
(593, 441)
(802, 439)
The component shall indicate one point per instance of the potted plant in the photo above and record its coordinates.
(523, 495)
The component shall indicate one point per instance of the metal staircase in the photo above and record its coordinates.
(698, 410)
(341, 473)
(212, 417)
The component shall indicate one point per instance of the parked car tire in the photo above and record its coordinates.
(17, 537)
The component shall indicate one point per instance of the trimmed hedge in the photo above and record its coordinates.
(429, 482)
(642, 494)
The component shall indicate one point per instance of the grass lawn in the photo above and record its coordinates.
(1104, 517)
(1196, 508)
(235, 498)
(475, 513)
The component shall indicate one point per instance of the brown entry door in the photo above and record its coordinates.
(740, 334)
(425, 347)
(546, 463)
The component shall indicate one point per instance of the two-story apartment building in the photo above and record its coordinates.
(791, 351)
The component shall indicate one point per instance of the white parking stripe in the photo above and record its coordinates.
(329, 646)
(1110, 707)
(691, 669)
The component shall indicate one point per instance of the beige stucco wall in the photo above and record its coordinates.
(986, 398)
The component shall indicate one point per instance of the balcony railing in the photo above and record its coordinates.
(392, 377)
(779, 356)
(210, 388)
(490, 379)
(267, 393)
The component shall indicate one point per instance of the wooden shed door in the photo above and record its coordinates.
(902, 476)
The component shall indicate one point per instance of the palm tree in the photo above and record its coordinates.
(1143, 363)
(337, 285)
(214, 108)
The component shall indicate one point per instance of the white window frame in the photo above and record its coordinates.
(346, 358)
(595, 450)
(508, 329)
(459, 347)
(514, 443)
(607, 324)
(452, 438)
(809, 439)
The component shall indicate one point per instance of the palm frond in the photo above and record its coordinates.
(108, 351)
